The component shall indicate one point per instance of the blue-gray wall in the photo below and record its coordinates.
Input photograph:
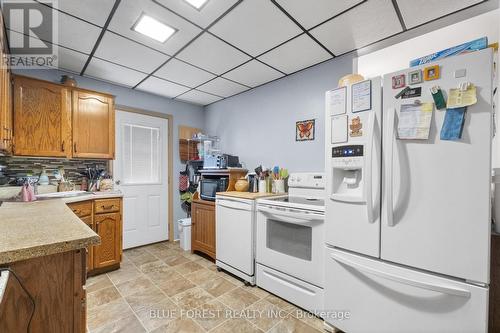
(183, 114)
(259, 125)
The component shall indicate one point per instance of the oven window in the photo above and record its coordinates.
(290, 239)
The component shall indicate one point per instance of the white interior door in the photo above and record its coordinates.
(141, 173)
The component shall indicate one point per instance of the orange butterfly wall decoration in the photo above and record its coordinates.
(304, 130)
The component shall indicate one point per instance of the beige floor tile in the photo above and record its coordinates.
(308, 318)
(238, 299)
(125, 273)
(213, 313)
(129, 324)
(292, 324)
(163, 252)
(176, 259)
(264, 314)
(143, 259)
(192, 298)
(217, 287)
(230, 278)
(236, 325)
(152, 266)
(201, 276)
(145, 298)
(138, 251)
(163, 274)
(175, 286)
(279, 302)
(158, 314)
(180, 326)
(130, 287)
(188, 267)
(260, 293)
(108, 313)
(101, 297)
(97, 282)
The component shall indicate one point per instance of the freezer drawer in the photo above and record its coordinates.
(382, 297)
(296, 291)
(235, 229)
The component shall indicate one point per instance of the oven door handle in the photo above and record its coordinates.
(291, 217)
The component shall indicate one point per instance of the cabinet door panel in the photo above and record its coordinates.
(93, 125)
(90, 250)
(108, 227)
(41, 119)
(203, 229)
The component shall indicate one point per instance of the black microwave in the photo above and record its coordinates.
(210, 186)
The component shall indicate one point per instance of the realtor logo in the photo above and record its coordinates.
(32, 33)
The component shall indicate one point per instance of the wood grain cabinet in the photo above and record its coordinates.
(104, 216)
(6, 129)
(203, 227)
(53, 120)
(42, 118)
(93, 125)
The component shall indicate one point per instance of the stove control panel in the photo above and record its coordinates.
(307, 180)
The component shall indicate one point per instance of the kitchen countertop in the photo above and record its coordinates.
(249, 195)
(35, 229)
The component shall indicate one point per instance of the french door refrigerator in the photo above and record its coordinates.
(408, 220)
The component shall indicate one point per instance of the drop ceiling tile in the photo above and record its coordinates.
(299, 53)
(363, 25)
(162, 87)
(94, 11)
(222, 87)
(255, 27)
(416, 12)
(68, 60)
(253, 73)
(180, 72)
(72, 32)
(202, 17)
(198, 97)
(311, 13)
(128, 13)
(212, 54)
(110, 72)
(128, 53)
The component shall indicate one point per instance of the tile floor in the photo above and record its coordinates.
(160, 288)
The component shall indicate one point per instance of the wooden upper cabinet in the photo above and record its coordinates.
(93, 125)
(42, 118)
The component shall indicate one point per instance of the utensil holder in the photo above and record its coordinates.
(279, 186)
(262, 186)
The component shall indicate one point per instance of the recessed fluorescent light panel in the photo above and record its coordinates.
(197, 3)
(153, 28)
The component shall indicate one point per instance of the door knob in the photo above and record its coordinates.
(117, 182)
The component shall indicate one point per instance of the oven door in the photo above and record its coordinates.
(291, 241)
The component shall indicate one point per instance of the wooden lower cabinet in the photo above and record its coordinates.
(203, 227)
(104, 216)
(56, 285)
(108, 253)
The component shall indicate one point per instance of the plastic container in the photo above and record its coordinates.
(496, 199)
(184, 227)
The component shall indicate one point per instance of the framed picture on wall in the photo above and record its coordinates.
(305, 130)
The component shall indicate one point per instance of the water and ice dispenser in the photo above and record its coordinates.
(348, 174)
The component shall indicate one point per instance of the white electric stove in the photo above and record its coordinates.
(290, 239)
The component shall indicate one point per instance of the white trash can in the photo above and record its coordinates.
(184, 226)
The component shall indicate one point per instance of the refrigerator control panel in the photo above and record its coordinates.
(347, 151)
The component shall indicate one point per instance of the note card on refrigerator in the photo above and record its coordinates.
(415, 121)
(339, 129)
(337, 101)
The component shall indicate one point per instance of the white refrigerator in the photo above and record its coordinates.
(408, 220)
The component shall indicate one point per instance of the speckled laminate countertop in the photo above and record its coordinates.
(34, 229)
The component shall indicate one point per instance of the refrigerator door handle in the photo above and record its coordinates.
(369, 173)
(401, 279)
(388, 166)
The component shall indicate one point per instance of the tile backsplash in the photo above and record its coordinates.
(23, 166)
